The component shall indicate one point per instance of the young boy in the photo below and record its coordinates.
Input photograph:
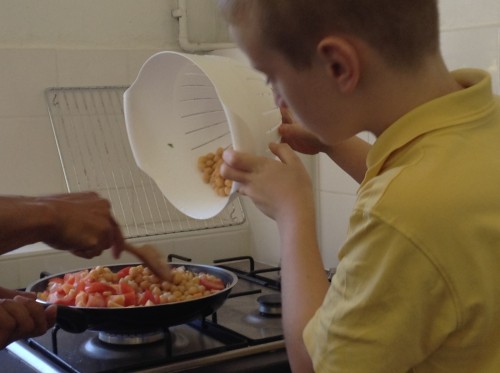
(416, 285)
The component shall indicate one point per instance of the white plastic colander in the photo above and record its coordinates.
(183, 106)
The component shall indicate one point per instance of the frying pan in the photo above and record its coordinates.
(141, 318)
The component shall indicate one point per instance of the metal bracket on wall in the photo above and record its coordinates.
(181, 14)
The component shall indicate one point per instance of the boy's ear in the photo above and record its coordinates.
(341, 61)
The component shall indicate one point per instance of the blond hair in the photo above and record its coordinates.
(402, 31)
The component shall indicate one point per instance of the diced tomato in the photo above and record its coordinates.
(125, 287)
(69, 278)
(99, 287)
(145, 297)
(56, 280)
(211, 283)
(96, 300)
(130, 299)
(80, 286)
(64, 299)
(129, 293)
(123, 272)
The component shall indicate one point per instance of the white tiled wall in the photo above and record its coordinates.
(470, 37)
(25, 131)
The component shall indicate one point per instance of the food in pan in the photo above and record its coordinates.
(130, 287)
(209, 166)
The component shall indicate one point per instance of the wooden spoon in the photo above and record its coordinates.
(153, 259)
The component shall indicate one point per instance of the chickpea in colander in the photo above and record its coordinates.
(209, 166)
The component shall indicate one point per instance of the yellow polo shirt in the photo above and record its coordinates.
(417, 287)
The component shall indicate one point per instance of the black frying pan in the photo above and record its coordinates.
(141, 318)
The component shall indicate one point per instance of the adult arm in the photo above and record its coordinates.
(81, 223)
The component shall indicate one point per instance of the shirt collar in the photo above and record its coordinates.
(452, 109)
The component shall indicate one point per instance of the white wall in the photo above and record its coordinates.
(470, 37)
(108, 24)
(65, 43)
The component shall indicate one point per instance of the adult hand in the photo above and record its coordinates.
(9, 293)
(83, 224)
(278, 187)
(22, 317)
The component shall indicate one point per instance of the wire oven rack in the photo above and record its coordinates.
(91, 137)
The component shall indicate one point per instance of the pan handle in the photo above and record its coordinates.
(70, 319)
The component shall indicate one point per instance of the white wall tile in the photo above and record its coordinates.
(24, 74)
(10, 274)
(468, 13)
(334, 212)
(331, 178)
(77, 68)
(264, 239)
(135, 59)
(106, 24)
(29, 162)
(473, 47)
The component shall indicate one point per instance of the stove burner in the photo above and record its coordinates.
(109, 346)
(270, 305)
(131, 339)
(93, 348)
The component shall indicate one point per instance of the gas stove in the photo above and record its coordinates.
(244, 335)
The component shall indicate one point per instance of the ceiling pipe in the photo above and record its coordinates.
(186, 45)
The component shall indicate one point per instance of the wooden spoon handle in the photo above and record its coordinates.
(153, 259)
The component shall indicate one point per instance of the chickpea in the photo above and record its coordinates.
(172, 298)
(181, 289)
(209, 165)
(184, 286)
(178, 278)
(193, 290)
